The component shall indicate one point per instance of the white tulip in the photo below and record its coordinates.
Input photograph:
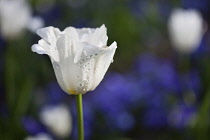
(41, 136)
(80, 57)
(58, 119)
(186, 29)
(14, 17)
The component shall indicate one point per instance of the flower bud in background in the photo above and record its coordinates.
(58, 120)
(14, 17)
(41, 136)
(80, 57)
(186, 29)
(35, 23)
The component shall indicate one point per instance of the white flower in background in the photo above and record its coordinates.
(35, 23)
(80, 57)
(15, 16)
(58, 119)
(41, 136)
(186, 29)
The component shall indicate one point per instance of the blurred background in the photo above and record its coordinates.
(157, 87)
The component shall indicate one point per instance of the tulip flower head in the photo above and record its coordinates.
(186, 29)
(80, 57)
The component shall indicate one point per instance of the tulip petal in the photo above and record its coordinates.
(102, 64)
(69, 69)
(38, 49)
(95, 37)
(59, 75)
(49, 34)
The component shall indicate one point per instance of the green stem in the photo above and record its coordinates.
(80, 117)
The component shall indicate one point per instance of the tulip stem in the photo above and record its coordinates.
(80, 117)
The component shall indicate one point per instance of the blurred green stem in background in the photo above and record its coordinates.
(202, 128)
(80, 117)
(19, 82)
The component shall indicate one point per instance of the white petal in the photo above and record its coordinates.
(59, 75)
(102, 64)
(97, 37)
(38, 49)
(71, 32)
(84, 31)
(69, 69)
(100, 36)
(49, 34)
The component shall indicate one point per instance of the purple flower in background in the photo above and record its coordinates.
(155, 117)
(181, 116)
(202, 5)
(138, 8)
(123, 121)
(164, 8)
(32, 126)
(191, 82)
(114, 101)
(55, 94)
(156, 75)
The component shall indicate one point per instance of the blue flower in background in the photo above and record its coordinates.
(164, 8)
(156, 76)
(114, 99)
(202, 5)
(123, 121)
(203, 49)
(191, 82)
(138, 8)
(159, 82)
(32, 126)
(155, 117)
(55, 94)
(181, 116)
